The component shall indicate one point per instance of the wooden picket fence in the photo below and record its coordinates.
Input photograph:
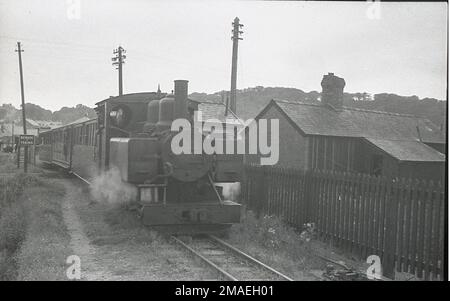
(402, 220)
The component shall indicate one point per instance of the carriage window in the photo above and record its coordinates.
(89, 132)
(92, 134)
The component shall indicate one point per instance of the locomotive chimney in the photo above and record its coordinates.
(181, 96)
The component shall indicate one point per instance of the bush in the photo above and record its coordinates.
(270, 239)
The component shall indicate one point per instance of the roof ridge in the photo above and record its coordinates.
(297, 102)
(211, 102)
(379, 112)
(345, 108)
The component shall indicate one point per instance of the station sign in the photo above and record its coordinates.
(26, 140)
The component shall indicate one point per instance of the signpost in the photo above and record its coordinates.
(25, 141)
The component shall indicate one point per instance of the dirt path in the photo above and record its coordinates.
(113, 245)
(81, 246)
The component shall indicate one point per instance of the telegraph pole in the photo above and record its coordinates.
(118, 61)
(236, 37)
(25, 155)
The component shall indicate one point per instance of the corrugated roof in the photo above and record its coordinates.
(318, 119)
(408, 150)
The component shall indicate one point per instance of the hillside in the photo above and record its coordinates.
(252, 100)
(65, 115)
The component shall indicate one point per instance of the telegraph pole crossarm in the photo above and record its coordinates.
(118, 60)
(236, 37)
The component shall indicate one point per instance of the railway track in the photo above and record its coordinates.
(229, 262)
(232, 264)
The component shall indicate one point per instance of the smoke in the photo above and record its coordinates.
(109, 187)
(231, 191)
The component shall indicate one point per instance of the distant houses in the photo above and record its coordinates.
(330, 136)
(9, 131)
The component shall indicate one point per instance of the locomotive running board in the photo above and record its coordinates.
(156, 214)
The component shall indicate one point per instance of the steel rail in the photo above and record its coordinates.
(249, 258)
(204, 259)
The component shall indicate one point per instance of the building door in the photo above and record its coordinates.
(376, 165)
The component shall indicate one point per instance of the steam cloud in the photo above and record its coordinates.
(231, 191)
(109, 187)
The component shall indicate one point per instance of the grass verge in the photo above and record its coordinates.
(13, 221)
(46, 247)
(270, 240)
(34, 242)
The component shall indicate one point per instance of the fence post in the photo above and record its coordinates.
(265, 190)
(260, 185)
(390, 242)
(307, 199)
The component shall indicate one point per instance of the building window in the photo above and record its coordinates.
(376, 167)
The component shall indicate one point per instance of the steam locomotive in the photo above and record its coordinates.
(132, 133)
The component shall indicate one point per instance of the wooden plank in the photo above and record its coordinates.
(357, 205)
(327, 207)
(320, 190)
(334, 207)
(305, 195)
(401, 222)
(318, 195)
(344, 215)
(344, 200)
(271, 183)
(342, 219)
(344, 223)
(292, 199)
(353, 213)
(408, 223)
(370, 221)
(436, 229)
(365, 216)
(328, 204)
(378, 239)
(289, 203)
(442, 228)
(421, 225)
(338, 212)
(335, 201)
(429, 229)
(349, 214)
(388, 262)
(300, 198)
(413, 248)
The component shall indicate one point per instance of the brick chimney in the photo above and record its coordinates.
(333, 91)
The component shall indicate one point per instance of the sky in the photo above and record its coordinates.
(386, 47)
